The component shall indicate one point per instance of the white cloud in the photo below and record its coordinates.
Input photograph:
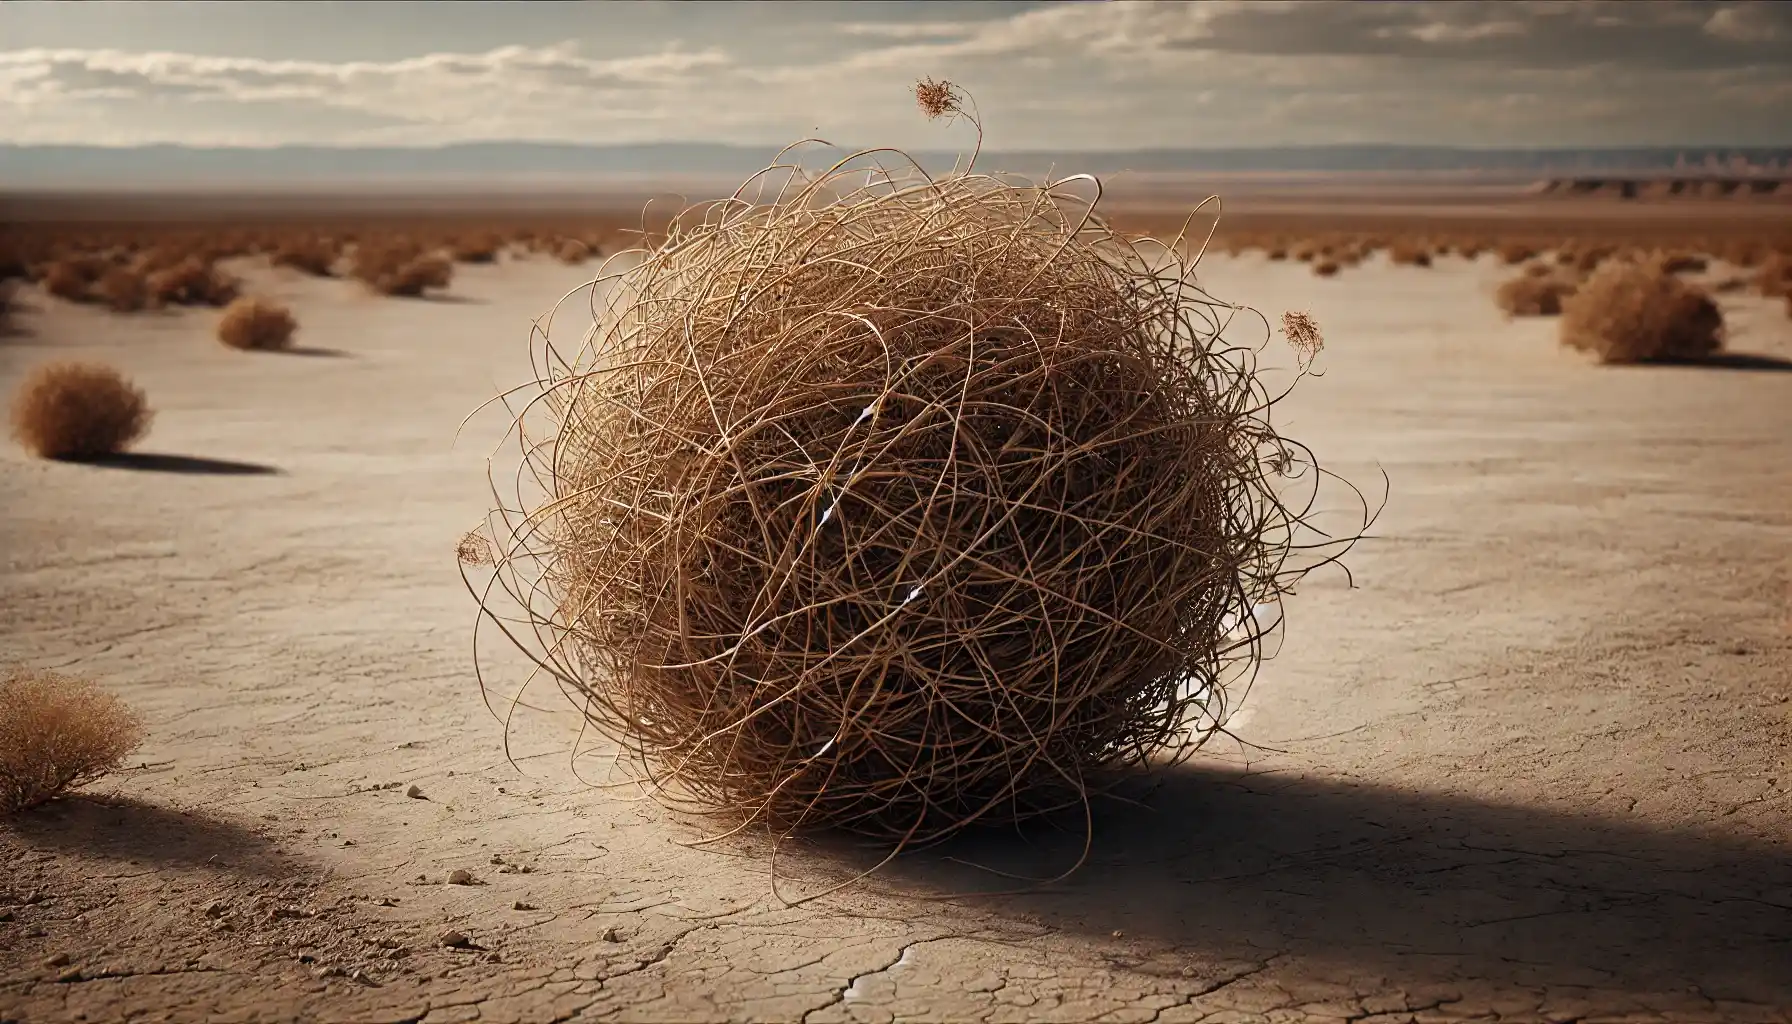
(1075, 75)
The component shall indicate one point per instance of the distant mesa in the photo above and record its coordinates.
(1655, 187)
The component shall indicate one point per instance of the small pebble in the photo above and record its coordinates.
(415, 792)
(612, 935)
(5, 915)
(215, 908)
(460, 876)
(520, 905)
(59, 960)
(72, 974)
(455, 940)
(34, 898)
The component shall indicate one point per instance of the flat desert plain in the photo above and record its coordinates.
(1534, 766)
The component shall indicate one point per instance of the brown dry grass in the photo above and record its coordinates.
(256, 323)
(58, 733)
(1531, 294)
(1326, 268)
(1632, 311)
(75, 410)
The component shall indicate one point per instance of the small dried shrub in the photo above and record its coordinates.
(1774, 278)
(1513, 253)
(312, 256)
(1684, 263)
(192, 282)
(479, 249)
(1326, 268)
(65, 280)
(123, 290)
(78, 410)
(1634, 312)
(58, 733)
(1276, 253)
(1535, 295)
(572, 252)
(1405, 255)
(400, 268)
(252, 322)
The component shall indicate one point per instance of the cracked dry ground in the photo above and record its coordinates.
(1535, 768)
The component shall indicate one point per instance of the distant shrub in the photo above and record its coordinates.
(400, 268)
(572, 252)
(1409, 255)
(1634, 311)
(58, 733)
(256, 323)
(192, 282)
(1276, 253)
(77, 411)
(316, 257)
(1513, 253)
(67, 281)
(1774, 278)
(478, 249)
(1535, 295)
(1684, 263)
(123, 290)
(1326, 268)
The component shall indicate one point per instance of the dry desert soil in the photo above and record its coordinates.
(1535, 766)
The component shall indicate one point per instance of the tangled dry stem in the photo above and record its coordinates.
(58, 733)
(899, 503)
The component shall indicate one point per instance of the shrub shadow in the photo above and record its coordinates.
(451, 299)
(122, 828)
(1735, 361)
(319, 353)
(1428, 888)
(190, 465)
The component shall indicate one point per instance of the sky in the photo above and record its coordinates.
(1062, 76)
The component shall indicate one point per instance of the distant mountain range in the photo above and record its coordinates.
(162, 166)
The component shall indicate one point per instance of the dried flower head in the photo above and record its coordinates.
(1302, 332)
(936, 99)
(473, 550)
